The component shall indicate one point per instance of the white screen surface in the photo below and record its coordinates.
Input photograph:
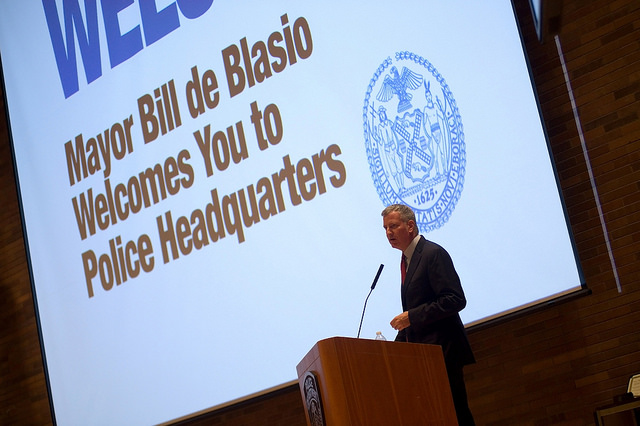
(236, 315)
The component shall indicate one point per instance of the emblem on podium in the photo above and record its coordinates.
(312, 400)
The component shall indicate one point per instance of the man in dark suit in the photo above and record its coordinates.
(432, 297)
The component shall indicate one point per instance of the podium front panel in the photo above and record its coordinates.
(368, 382)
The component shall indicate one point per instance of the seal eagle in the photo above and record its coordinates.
(396, 84)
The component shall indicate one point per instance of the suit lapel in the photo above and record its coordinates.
(413, 265)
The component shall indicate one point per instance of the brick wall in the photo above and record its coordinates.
(557, 365)
(551, 366)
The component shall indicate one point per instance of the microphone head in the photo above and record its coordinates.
(375, 280)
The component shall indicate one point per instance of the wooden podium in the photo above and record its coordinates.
(351, 382)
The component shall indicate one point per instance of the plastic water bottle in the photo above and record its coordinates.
(379, 336)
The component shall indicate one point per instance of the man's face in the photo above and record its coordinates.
(399, 233)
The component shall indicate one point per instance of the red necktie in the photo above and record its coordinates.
(403, 268)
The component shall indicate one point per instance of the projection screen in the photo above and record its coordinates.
(201, 183)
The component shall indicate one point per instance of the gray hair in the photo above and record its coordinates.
(405, 212)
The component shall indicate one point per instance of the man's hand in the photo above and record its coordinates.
(401, 321)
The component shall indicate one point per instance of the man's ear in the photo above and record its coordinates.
(411, 225)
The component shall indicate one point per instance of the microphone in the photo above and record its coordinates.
(375, 280)
(373, 285)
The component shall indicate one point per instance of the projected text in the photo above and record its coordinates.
(215, 149)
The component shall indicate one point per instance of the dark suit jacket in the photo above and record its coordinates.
(433, 295)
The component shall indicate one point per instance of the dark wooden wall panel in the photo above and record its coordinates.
(552, 366)
(23, 392)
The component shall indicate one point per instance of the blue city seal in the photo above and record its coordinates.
(414, 139)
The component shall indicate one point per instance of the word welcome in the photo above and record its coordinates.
(154, 25)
